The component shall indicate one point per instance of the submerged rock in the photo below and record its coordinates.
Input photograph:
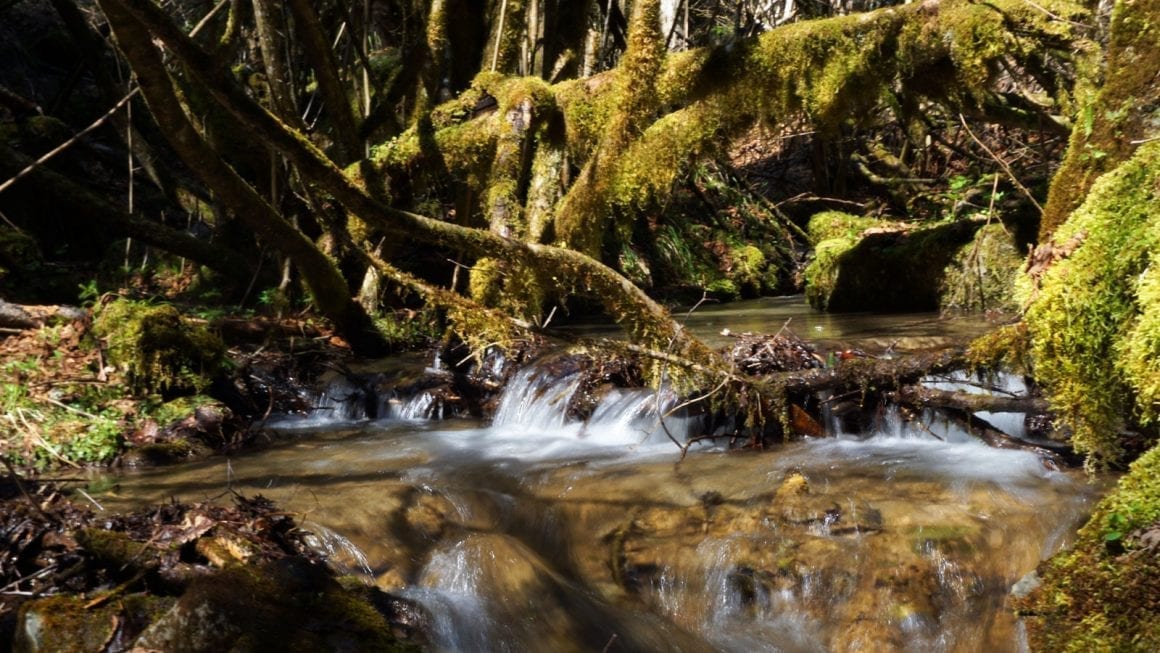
(285, 605)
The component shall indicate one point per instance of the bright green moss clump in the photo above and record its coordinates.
(832, 234)
(1095, 334)
(1104, 593)
(836, 224)
(159, 351)
(821, 275)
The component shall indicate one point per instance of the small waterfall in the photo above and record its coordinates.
(535, 399)
(732, 607)
(421, 406)
(339, 401)
(450, 586)
(339, 551)
(535, 404)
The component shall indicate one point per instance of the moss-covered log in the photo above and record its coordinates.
(568, 271)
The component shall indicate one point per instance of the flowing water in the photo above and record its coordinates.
(532, 533)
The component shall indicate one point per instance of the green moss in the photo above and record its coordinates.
(1101, 594)
(1114, 115)
(1004, 348)
(484, 282)
(157, 349)
(981, 276)
(821, 275)
(1137, 352)
(746, 267)
(1093, 320)
(116, 550)
(178, 408)
(829, 225)
(63, 624)
(505, 37)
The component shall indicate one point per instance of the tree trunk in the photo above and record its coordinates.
(327, 285)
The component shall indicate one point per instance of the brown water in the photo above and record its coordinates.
(532, 534)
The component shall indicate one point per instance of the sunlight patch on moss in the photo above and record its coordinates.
(1092, 324)
(157, 349)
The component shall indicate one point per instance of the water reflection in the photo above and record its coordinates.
(869, 331)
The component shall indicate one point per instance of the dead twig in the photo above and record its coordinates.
(1002, 164)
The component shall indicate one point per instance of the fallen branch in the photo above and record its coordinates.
(924, 397)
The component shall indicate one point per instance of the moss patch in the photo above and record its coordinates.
(1104, 593)
(981, 276)
(157, 349)
(1095, 336)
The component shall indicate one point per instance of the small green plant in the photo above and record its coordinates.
(88, 293)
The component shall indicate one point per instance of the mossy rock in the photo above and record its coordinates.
(158, 350)
(890, 270)
(156, 454)
(1103, 594)
(1094, 320)
(66, 623)
(981, 276)
(286, 605)
(829, 225)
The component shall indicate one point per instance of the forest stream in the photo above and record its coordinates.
(530, 533)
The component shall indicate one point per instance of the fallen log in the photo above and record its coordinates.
(921, 396)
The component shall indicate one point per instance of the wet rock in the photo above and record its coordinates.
(1026, 585)
(521, 592)
(73, 624)
(155, 454)
(289, 605)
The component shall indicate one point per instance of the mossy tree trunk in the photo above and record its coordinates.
(1094, 318)
(1117, 115)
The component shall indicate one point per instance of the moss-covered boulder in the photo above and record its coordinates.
(892, 268)
(1104, 593)
(158, 350)
(1094, 318)
(283, 605)
(76, 624)
(982, 274)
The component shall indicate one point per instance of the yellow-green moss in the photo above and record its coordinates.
(1102, 594)
(1093, 321)
(828, 225)
(821, 275)
(505, 37)
(830, 71)
(1137, 351)
(1115, 114)
(158, 350)
(1004, 348)
(981, 277)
